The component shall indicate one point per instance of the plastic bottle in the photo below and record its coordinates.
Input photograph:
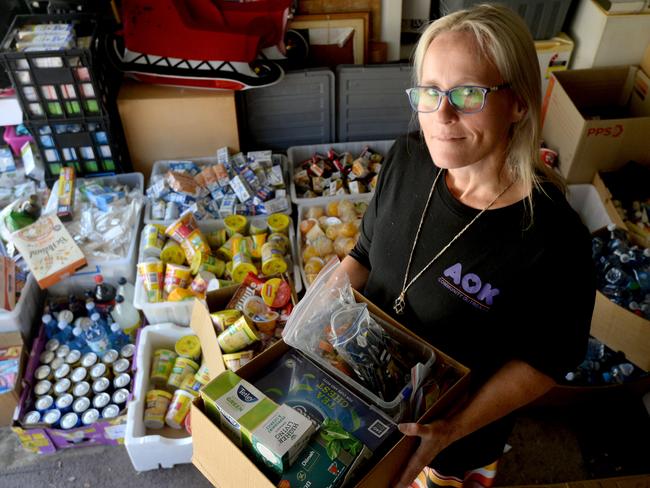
(50, 324)
(618, 373)
(126, 289)
(75, 306)
(127, 316)
(118, 339)
(96, 336)
(78, 341)
(104, 293)
(64, 335)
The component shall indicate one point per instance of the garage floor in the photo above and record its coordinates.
(549, 444)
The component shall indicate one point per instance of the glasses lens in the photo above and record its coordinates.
(467, 99)
(424, 99)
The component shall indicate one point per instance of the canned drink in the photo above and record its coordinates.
(163, 362)
(81, 389)
(70, 421)
(80, 405)
(188, 347)
(52, 345)
(62, 351)
(110, 357)
(44, 403)
(62, 386)
(122, 381)
(273, 259)
(43, 387)
(57, 363)
(89, 359)
(171, 211)
(237, 336)
(64, 402)
(153, 241)
(182, 367)
(52, 417)
(90, 416)
(158, 210)
(62, 372)
(101, 400)
(120, 397)
(110, 411)
(101, 385)
(31, 418)
(78, 374)
(178, 409)
(43, 372)
(121, 366)
(128, 351)
(73, 358)
(99, 370)
(157, 402)
(46, 357)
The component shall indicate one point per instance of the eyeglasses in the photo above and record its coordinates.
(467, 99)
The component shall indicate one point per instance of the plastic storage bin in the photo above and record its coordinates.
(161, 167)
(298, 154)
(91, 145)
(151, 449)
(64, 84)
(112, 269)
(181, 312)
(586, 201)
(23, 316)
(543, 17)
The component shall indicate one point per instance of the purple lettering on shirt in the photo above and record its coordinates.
(487, 293)
(471, 283)
(454, 272)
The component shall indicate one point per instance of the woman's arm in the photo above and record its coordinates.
(514, 385)
(357, 272)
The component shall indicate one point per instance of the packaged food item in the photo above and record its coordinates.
(274, 434)
(153, 240)
(161, 368)
(157, 404)
(237, 336)
(172, 253)
(235, 224)
(66, 192)
(273, 259)
(182, 367)
(188, 346)
(242, 264)
(176, 276)
(225, 318)
(279, 223)
(236, 360)
(178, 409)
(152, 272)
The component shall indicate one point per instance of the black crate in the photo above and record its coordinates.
(61, 85)
(93, 146)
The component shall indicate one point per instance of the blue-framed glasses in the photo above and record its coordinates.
(467, 99)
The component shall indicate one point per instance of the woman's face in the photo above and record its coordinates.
(455, 139)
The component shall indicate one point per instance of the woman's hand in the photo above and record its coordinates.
(434, 437)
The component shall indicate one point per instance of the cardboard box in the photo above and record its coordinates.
(606, 199)
(607, 40)
(553, 55)
(164, 122)
(10, 399)
(225, 466)
(588, 119)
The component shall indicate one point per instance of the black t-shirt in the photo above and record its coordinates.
(506, 289)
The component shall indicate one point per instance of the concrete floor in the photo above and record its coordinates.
(549, 445)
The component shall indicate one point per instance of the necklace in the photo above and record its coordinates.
(400, 301)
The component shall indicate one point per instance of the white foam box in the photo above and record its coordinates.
(23, 316)
(110, 269)
(148, 448)
(181, 312)
(298, 154)
(586, 201)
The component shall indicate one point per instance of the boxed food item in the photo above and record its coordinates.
(11, 368)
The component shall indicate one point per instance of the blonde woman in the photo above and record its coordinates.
(471, 243)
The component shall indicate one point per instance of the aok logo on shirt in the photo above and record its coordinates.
(469, 287)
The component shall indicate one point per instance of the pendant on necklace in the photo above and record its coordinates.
(399, 304)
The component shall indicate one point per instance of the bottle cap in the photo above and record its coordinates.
(90, 305)
(95, 317)
(121, 281)
(62, 324)
(46, 318)
(99, 279)
(119, 299)
(67, 316)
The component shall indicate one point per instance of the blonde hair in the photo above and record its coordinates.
(504, 38)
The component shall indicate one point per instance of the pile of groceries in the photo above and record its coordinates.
(174, 381)
(337, 174)
(181, 261)
(250, 184)
(84, 359)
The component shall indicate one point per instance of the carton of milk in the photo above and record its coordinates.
(275, 434)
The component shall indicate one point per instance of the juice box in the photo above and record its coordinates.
(295, 380)
(274, 433)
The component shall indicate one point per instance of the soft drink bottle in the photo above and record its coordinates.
(104, 293)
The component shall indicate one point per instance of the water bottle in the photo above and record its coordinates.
(618, 373)
(127, 316)
(96, 336)
(64, 335)
(118, 339)
(91, 308)
(78, 341)
(126, 289)
(595, 350)
(50, 324)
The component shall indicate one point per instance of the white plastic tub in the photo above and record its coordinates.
(151, 449)
(584, 199)
(298, 154)
(111, 269)
(22, 317)
(181, 312)
(161, 167)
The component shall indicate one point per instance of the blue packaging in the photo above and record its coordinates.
(295, 380)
